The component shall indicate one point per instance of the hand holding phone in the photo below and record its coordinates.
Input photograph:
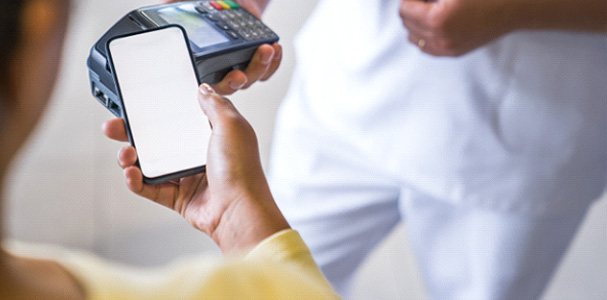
(231, 201)
(158, 86)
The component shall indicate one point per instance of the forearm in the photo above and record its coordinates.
(574, 15)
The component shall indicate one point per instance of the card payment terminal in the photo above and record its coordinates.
(222, 36)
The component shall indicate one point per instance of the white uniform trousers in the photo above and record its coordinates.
(344, 205)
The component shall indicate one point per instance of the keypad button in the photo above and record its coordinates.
(245, 33)
(201, 10)
(232, 4)
(205, 5)
(233, 24)
(223, 17)
(230, 14)
(222, 25)
(212, 16)
(232, 34)
(224, 5)
(216, 5)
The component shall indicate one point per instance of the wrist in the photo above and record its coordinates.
(246, 222)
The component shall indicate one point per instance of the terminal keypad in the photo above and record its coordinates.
(234, 20)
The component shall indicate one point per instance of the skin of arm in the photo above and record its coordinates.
(455, 27)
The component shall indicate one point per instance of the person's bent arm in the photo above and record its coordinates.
(455, 27)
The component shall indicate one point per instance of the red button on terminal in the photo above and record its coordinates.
(216, 5)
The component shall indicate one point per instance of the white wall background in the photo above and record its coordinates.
(67, 188)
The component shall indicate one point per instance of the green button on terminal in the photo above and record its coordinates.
(231, 3)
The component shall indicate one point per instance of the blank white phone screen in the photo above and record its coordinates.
(159, 92)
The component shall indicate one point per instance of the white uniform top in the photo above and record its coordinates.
(520, 123)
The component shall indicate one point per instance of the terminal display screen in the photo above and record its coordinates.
(199, 31)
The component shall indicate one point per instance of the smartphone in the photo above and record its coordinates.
(157, 84)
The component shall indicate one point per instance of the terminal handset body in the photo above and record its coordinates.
(157, 85)
(222, 36)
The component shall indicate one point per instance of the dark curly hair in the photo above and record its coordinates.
(10, 17)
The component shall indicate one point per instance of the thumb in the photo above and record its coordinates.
(207, 98)
(217, 108)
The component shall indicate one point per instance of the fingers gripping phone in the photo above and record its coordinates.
(158, 87)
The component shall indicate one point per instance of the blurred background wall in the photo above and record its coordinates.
(66, 188)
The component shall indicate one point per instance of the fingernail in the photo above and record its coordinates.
(266, 58)
(206, 89)
(235, 85)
